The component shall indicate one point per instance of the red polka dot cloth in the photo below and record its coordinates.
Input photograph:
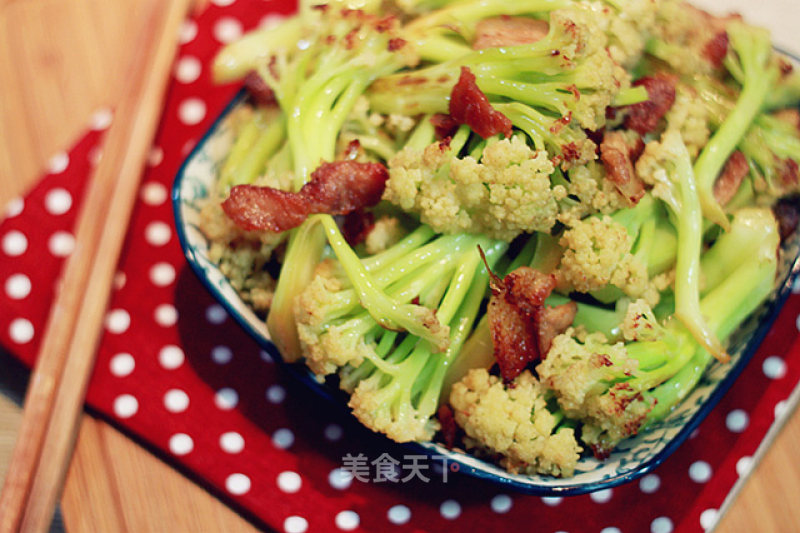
(175, 372)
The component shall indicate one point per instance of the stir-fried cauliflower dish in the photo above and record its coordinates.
(521, 229)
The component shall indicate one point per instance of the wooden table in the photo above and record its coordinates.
(58, 63)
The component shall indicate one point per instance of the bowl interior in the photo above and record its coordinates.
(633, 457)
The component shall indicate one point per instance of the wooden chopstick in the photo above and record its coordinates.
(57, 388)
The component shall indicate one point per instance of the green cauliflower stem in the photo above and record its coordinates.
(514, 421)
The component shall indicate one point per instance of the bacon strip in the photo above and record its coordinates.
(336, 188)
(259, 90)
(644, 116)
(729, 180)
(468, 105)
(508, 31)
(522, 327)
(716, 49)
(618, 158)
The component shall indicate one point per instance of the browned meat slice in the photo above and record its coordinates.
(644, 117)
(258, 89)
(449, 428)
(508, 31)
(522, 327)
(618, 158)
(468, 105)
(787, 212)
(336, 188)
(729, 180)
(716, 49)
(554, 321)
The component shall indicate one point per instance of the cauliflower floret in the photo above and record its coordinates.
(327, 348)
(507, 193)
(594, 192)
(597, 253)
(384, 233)
(640, 322)
(589, 380)
(389, 410)
(690, 116)
(514, 421)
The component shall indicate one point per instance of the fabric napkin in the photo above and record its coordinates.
(176, 373)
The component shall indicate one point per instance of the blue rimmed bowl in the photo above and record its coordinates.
(633, 458)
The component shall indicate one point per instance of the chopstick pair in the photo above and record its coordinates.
(55, 396)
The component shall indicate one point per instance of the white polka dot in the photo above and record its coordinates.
(333, 432)
(188, 146)
(708, 518)
(231, 442)
(340, 479)
(743, 465)
(780, 408)
(649, 483)
(58, 163)
(601, 496)
(157, 233)
(450, 509)
(700, 471)
(176, 401)
(119, 280)
(15, 243)
(101, 119)
(181, 444)
(192, 111)
(283, 438)
(118, 321)
(289, 482)
(125, 406)
(295, 524)
(265, 356)
(347, 520)
(501, 503)
(796, 285)
(18, 286)
(188, 31)
(170, 357)
(276, 394)
(797, 322)
(153, 193)
(737, 420)
(227, 30)
(271, 21)
(237, 484)
(222, 3)
(15, 207)
(610, 530)
(156, 156)
(58, 201)
(188, 69)
(226, 398)
(122, 364)
(551, 501)
(61, 244)
(21, 330)
(774, 367)
(162, 274)
(166, 315)
(399, 514)
(662, 524)
(221, 355)
(216, 314)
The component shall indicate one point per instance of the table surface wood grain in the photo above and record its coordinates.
(59, 62)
